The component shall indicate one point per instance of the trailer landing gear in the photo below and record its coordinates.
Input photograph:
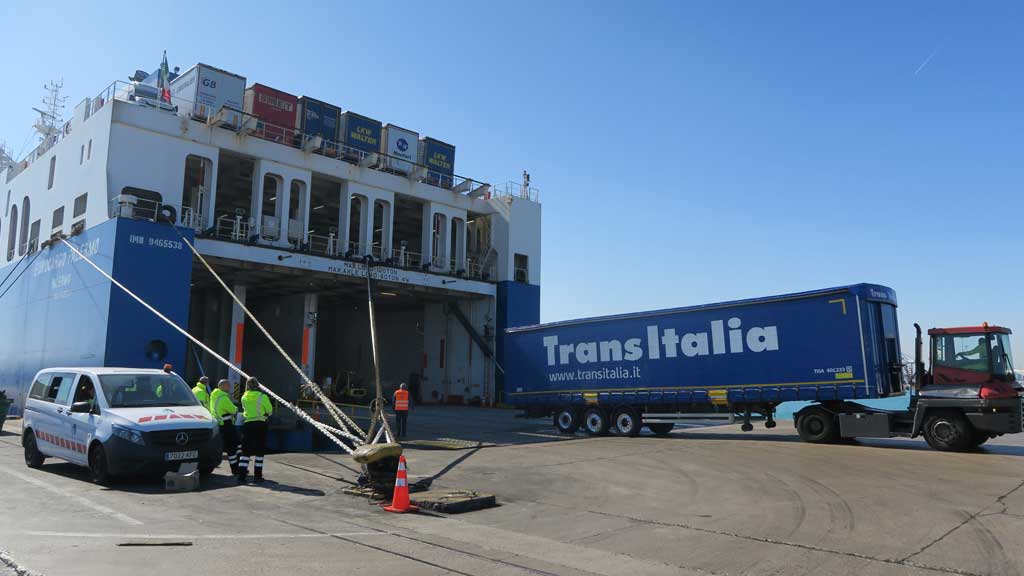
(747, 426)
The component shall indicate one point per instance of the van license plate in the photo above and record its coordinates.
(189, 455)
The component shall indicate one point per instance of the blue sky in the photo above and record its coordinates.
(686, 152)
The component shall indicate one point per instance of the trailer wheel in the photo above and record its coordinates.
(817, 426)
(567, 420)
(662, 428)
(948, 431)
(595, 421)
(626, 421)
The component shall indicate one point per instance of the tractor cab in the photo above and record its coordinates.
(968, 362)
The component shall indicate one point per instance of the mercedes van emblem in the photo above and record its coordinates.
(181, 438)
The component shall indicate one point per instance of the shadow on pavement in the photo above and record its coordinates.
(888, 443)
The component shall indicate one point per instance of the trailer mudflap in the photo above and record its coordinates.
(865, 425)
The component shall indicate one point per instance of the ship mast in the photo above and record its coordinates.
(48, 124)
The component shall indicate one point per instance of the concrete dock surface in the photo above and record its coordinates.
(705, 500)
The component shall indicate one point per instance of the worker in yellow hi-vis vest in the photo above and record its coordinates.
(223, 411)
(201, 392)
(256, 408)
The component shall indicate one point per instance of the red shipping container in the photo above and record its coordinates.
(276, 109)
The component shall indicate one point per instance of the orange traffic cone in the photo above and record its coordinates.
(400, 500)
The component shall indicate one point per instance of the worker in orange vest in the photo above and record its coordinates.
(401, 409)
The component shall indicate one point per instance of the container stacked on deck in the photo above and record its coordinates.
(276, 111)
(316, 118)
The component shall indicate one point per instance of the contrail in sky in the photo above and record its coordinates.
(929, 58)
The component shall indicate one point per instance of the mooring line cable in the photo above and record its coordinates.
(340, 417)
(326, 430)
(23, 270)
(17, 264)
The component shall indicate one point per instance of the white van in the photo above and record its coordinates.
(118, 421)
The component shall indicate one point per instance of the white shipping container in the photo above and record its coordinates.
(402, 147)
(204, 90)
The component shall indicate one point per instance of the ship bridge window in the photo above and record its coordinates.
(58, 219)
(53, 171)
(522, 268)
(80, 203)
(12, 233)
(33, 237)
(88, 151)
(26, 209)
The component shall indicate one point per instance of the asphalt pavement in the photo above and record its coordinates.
(706, 500)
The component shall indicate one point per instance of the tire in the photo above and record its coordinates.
(33, 457)
(948, 431)
(661, 429)
(98, 465)
(626, 422)
(817, 426)
(206, 471)
(567, 420)
(595, 421)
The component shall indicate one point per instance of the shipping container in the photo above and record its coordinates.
(401, 148)
(203, 91)
(826, 345)
(360, 135)
(439, 158)
(275, 110)
(316, 118)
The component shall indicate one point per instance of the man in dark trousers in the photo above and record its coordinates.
(223, 411)
(401, 410)
(256, 408)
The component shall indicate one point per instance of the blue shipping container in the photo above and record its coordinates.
(360, 132)
(831, 344)
(437, 156)
(318, 118)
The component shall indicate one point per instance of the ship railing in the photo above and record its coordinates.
(234, 227)
(129, 206)
(324, 245)
(406, 258)
(513, 189)
(193, 219)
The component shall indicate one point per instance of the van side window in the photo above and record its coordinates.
(38, 391)
(61, 386)
(51, 393)
(85, 391)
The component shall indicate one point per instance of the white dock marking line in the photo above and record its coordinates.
(135, 536)
(79, 499)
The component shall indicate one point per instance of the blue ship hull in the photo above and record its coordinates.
(60, 312)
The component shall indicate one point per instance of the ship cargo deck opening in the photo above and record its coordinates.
(285, 197)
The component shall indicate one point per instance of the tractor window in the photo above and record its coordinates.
(967, 352)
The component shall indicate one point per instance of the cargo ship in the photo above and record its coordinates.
(286, 196)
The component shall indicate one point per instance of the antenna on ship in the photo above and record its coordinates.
(6, 159)
(48, 124)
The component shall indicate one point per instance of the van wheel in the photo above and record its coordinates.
(98, 465)
(33, 457)
(595, 421)
(817, 426)
(567, 420)
(626, 422)
(662, 428)
(948, 431)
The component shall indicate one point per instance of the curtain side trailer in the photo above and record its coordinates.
(833, 347)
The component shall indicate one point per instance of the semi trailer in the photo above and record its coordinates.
(834, 348)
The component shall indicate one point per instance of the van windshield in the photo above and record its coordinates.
(146, 390)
